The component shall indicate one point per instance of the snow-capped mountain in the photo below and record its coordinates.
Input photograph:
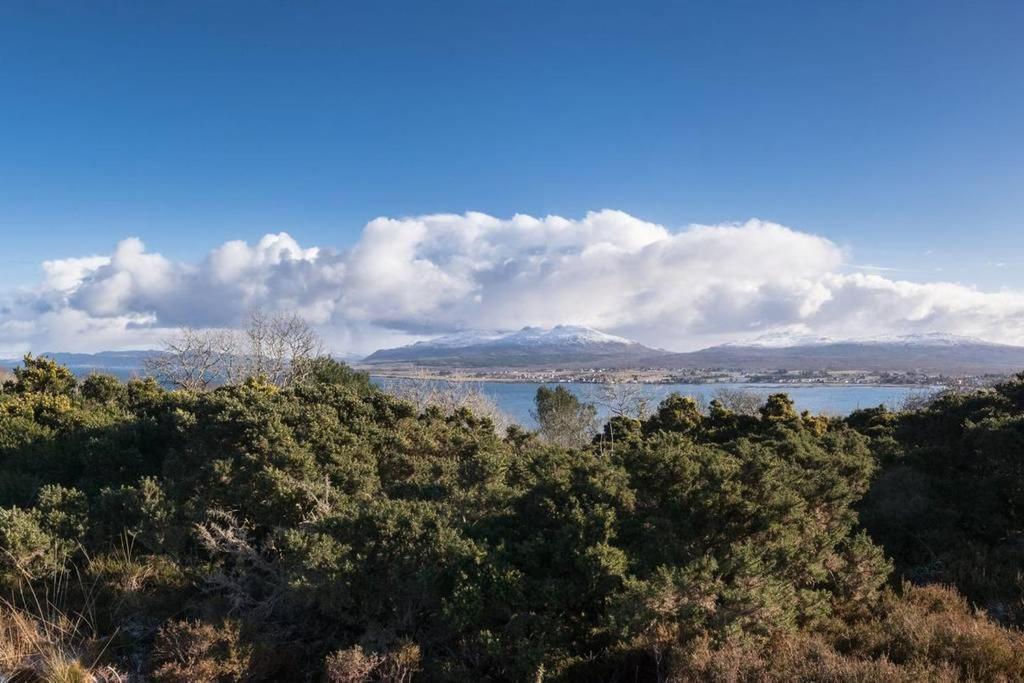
(570, 345)
(561, 334)
(530, 346)
(932, 352)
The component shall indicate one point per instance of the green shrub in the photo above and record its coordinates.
(25, 549)
(326, 529)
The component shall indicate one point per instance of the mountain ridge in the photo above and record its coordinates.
(575, 346)
(561, 344)
(933, 352)
(789, 339)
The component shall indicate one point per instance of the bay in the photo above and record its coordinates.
(515, 399)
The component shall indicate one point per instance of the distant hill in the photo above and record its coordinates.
(573, 346)
(569, 346)
(931, 353)
(563, 345)
(122, 364)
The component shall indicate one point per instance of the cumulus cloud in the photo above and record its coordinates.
(413, 277)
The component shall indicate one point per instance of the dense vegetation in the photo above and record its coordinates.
(328, 531)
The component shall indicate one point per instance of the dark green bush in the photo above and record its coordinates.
(330, 531)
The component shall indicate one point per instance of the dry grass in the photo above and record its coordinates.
(795, 657)
(928, 633)
(42, 638)
(353, 665)
(198, 652)
(356, 665)
(935, 624)
(57, 648)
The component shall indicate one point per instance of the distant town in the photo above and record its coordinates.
(600, 375)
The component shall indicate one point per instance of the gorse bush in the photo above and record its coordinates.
(328, 531)
(949, 503)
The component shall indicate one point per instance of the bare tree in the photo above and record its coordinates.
(739, 401)
(624, 399)
(195, 360)
(448, 396)
(272, 346)
(922, 399)
(278, 343)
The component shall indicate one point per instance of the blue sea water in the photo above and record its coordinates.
(516, 398)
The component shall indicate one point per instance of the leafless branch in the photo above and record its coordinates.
(272, 346)
(449, 396)
(622, 399)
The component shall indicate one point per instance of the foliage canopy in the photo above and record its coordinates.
(328, 531)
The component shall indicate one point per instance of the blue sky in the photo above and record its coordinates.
(893, 129)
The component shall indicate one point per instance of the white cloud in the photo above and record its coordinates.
(417, 276)
(66, 274)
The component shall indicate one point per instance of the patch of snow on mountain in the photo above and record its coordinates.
(781, 340)
(925, 339)
(562, 334)
(460, 339)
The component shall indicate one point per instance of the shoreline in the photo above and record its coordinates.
(779, 385)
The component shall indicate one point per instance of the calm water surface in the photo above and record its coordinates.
(516, 398)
